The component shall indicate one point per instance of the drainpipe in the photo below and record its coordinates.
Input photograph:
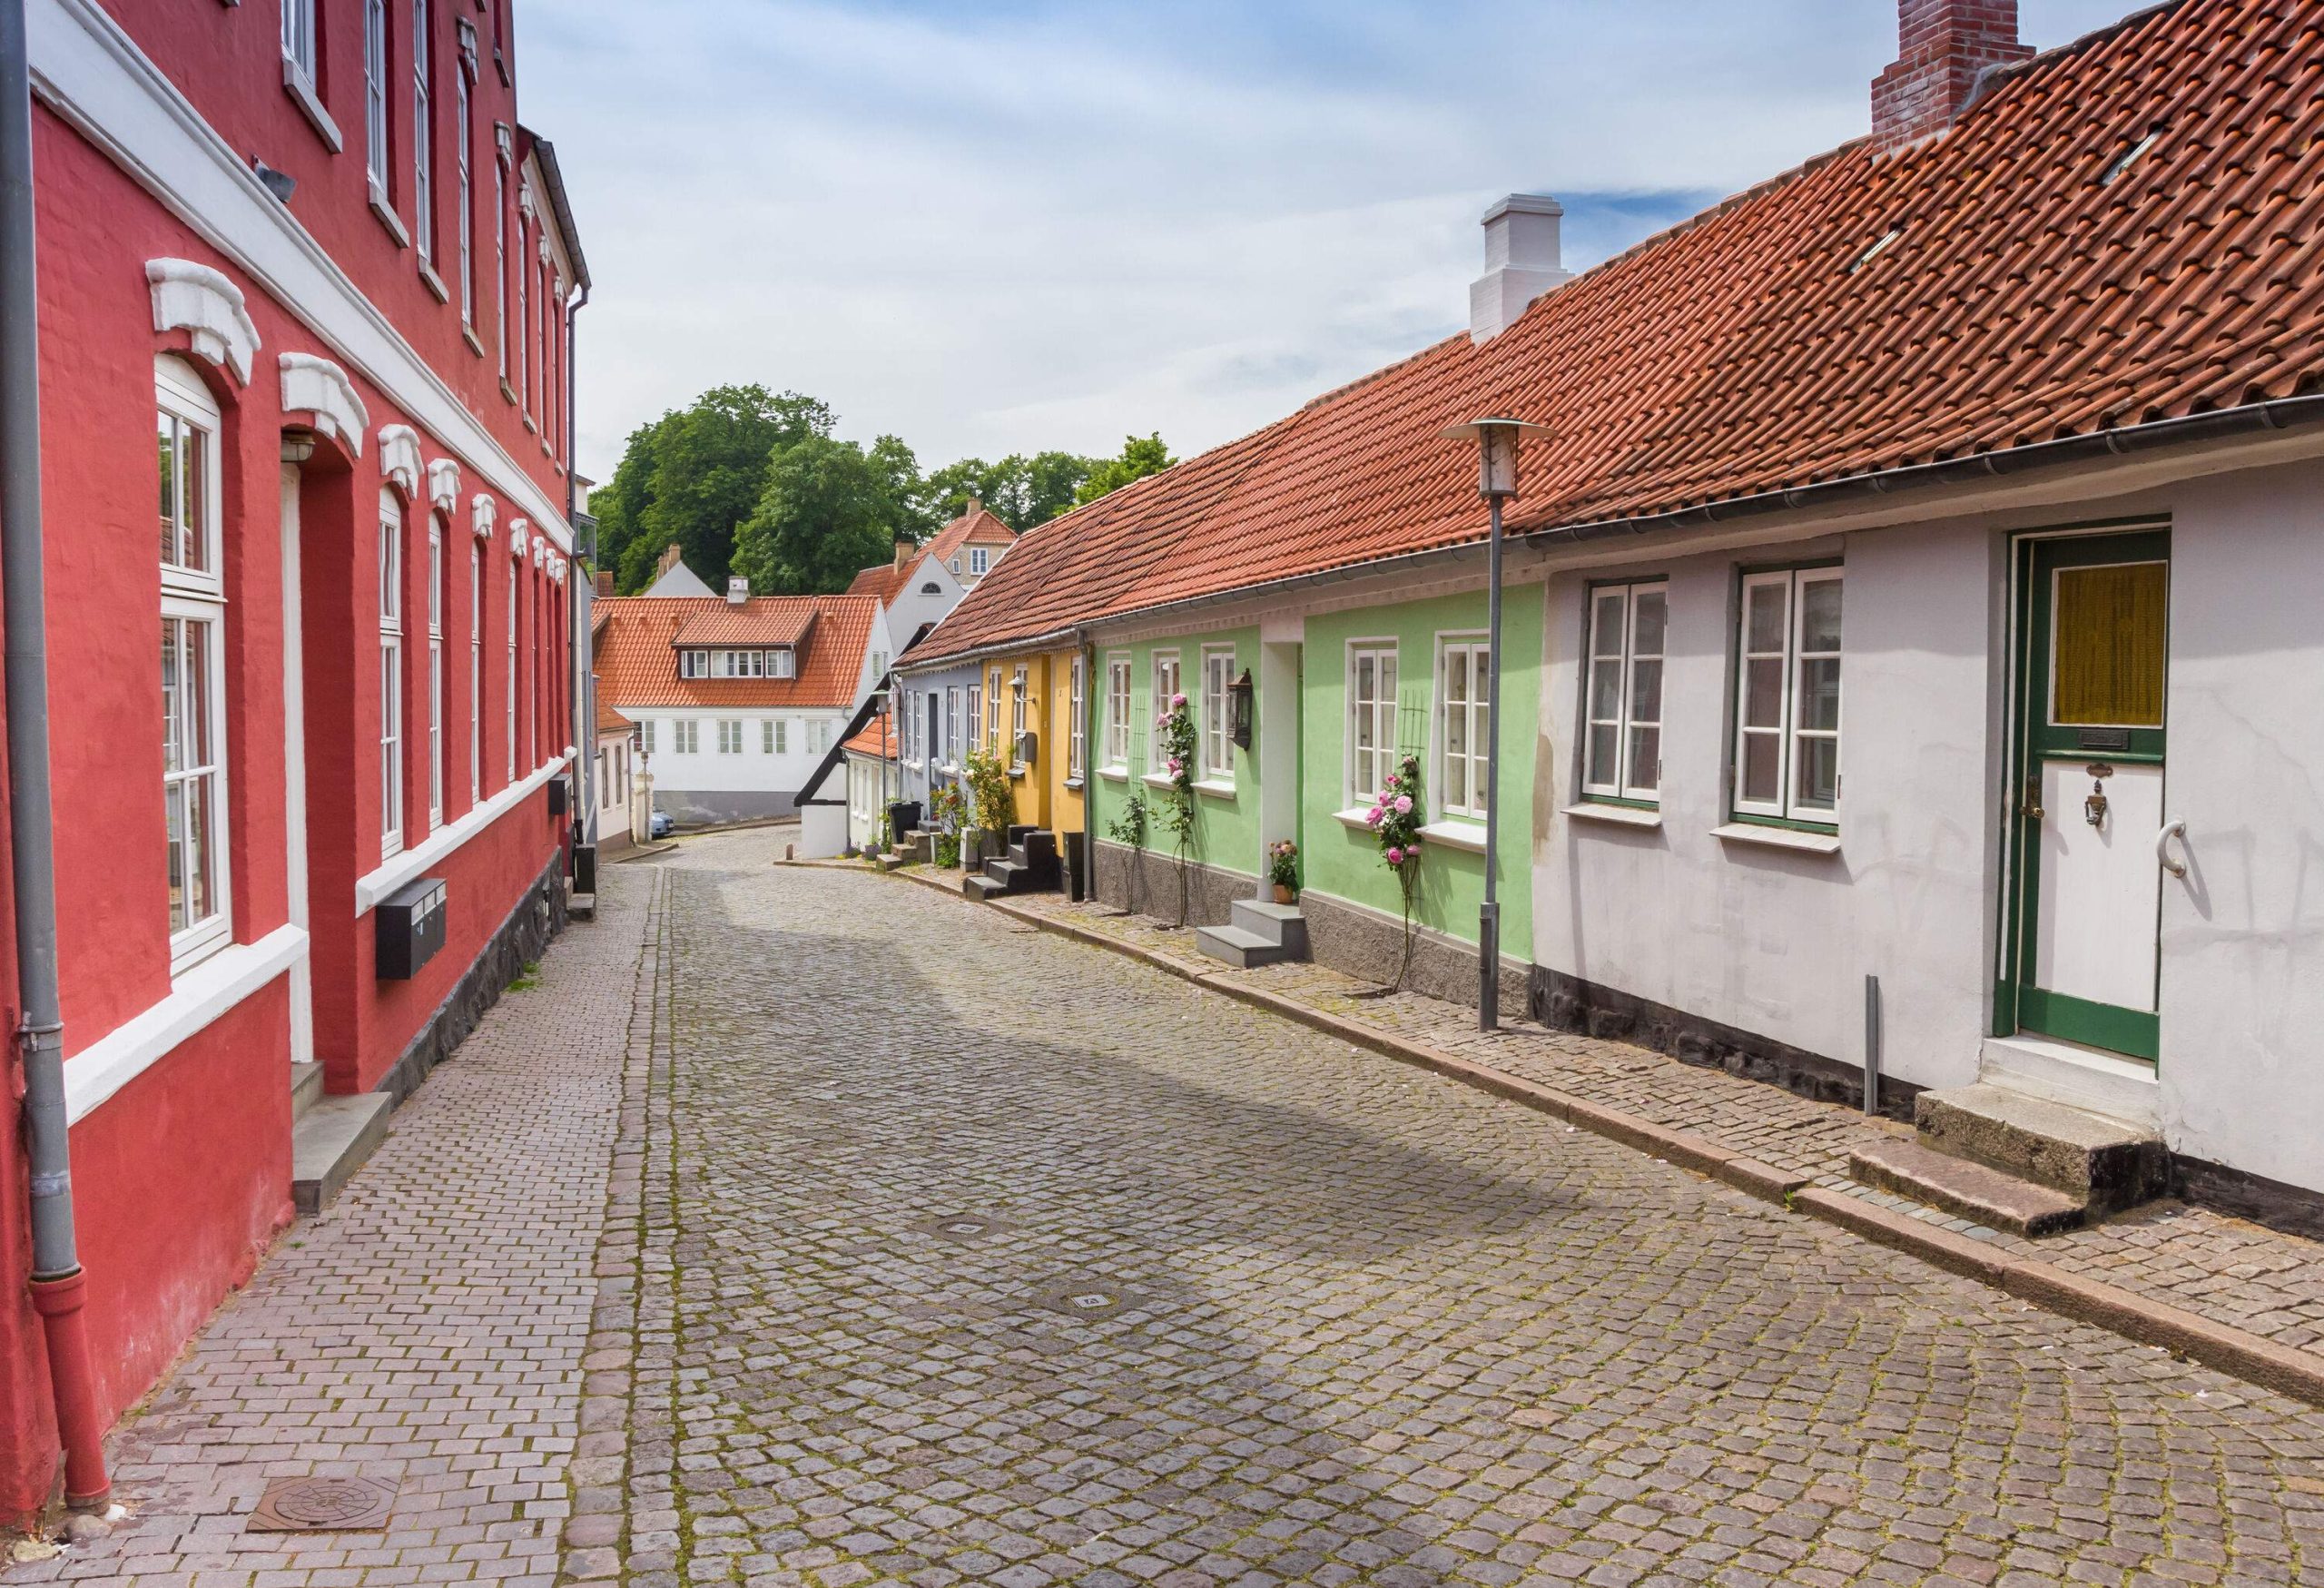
(58, 1281)
(577, 602)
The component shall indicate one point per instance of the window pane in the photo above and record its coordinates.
(1646, 758)
(1819, 774)
(1819, 694)
(166, 445)
(1457, 732)
(1456, 677)
(2110, 631)
(1605, 742)
(1819, 615)
(1763, 693)
(1652, 618)
(1606, 689)
(1388, 689)
(173, 816)
(1606, 624)
(173, 716)
(194, 496)
(196, 695)
(1763, 626)
(198, 818)
(1761, 757)
(1646, 691)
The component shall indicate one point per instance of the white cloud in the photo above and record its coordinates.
(1001, 226)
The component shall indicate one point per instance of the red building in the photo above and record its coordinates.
(305, 281)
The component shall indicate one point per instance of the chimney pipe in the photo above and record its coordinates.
(976, 506)
(1524, 259)
(1941, 48)
(904, 548)
(738, 590)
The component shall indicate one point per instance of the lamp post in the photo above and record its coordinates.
(1496, 440)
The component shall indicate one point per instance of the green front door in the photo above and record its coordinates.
(2094, 639)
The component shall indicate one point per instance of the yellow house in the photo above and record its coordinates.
(1037, 718)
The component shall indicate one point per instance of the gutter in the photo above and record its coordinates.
(58, 1281)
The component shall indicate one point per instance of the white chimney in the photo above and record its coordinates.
(738, 590)
(1523, 259)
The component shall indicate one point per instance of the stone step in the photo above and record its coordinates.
(2103, 1164)
(977, 886)
(1281, 924)
(1240, 947)
(1965, 1190)
(306, 1088)
(331, 1142)
(2089, 1079)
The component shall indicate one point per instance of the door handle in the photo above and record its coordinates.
(2175, 829)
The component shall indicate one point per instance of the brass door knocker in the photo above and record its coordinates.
(2093, 809)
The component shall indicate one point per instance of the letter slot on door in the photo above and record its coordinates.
(410, 927)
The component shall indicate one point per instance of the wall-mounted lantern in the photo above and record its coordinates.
(1239, 710)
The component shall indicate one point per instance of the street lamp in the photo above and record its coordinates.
(1496, 440)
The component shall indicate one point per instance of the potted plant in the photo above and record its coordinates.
(1283, 870)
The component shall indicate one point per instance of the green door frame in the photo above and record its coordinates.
(2018, 1004)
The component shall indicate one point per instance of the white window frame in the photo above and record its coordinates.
(435, 671)
(766, 735)
(730, 735)
(685, 737)
(1077, 740)
(1215, 744)
(379, 149)
(979, 561)
(1118, 711)
(511, 681)
(1156, 665)
(391, 559)
(974, 723)
(1626, 780)
(1788, 806)
(1474, 652)
(500, 262)
(951, 725)
(1380, 759)
(781, 737)
(475, 674)
(193, 604)
(1021, 684)
(423, 139)
(645, 737)
(465, 227)
(298, 39)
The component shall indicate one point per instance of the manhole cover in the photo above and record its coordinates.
(1085, 1295)
(323, 1506)
(962, 1227)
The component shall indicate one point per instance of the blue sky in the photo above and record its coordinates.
(1001, 225)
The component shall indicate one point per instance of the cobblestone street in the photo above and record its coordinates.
(931, 1249)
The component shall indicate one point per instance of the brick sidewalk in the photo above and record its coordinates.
(428, 1329)
(2220, 1268)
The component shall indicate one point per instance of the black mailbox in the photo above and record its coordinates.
(585, 868)
(558, 800)
(409, 926)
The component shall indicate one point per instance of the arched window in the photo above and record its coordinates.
(434, 670)
(390, 673)
(194, 698)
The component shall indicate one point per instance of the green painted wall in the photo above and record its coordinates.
(1226, 827)
(1344, 861)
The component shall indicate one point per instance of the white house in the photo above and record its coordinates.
(736, 698)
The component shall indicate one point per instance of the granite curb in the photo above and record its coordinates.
(2231, 1350)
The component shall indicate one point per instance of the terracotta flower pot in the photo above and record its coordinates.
(1283, 894)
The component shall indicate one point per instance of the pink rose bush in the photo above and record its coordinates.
(1394, 817)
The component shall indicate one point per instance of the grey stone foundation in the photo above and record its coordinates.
(1347, 937)
(523, 936)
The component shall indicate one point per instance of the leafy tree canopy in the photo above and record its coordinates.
(749, 482)
(1140, 456)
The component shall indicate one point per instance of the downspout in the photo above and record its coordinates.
(577, 602)
(58, 1280)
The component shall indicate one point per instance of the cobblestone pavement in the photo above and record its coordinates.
(428, 1330)
(966, 1254)
(2224, 1269)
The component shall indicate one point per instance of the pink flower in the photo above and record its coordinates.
(1174, 763)
(1176, 701)
(1404, 804)
(1162, 720)
(1391, 780)
(1395, 856)
(1372, 817)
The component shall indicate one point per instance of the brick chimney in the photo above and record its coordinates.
(604, 583)
(1943, 45)
(904, 548)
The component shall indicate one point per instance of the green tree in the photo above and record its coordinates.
(1022, 491)
(824, 513)
(1140, 456)
(910, 517)
(692, 476)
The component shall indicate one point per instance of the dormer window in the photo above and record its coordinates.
(980, 559)
(705, 663)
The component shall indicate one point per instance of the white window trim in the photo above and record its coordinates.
(510, 683)
(196, 1001)
(1021, 687)
(377, 147)
(1218, 775)
(476, 672)
(979, 560)
(205, 937)
(1786, 807)
(1475, 643)
(1625, 784)
(1376, 646)
(414, 862)
(423, 135)
(1077, 743)
(391, 689)
(1119, 709)
(1158, 699)
(463, 166)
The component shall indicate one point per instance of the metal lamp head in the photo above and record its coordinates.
(1496, 440)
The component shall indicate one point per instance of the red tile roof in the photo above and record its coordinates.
(2031, 292)
(875, 739)
(754, 623)
(637, 667)
(610, 721)
(978, 526)
(881, 583)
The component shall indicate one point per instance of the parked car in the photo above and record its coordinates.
(664, 825)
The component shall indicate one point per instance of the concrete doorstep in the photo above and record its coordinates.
(2151, 1322)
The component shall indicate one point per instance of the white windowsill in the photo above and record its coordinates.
(1355, 817)
(434, 283)
(1114, 773)
(197, 998)
(387, 218)
(1778, 837)
(302, 94)
(1215, 789)
(1453, 832)
(1615, 816)
(476, 344)
(376, 886)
